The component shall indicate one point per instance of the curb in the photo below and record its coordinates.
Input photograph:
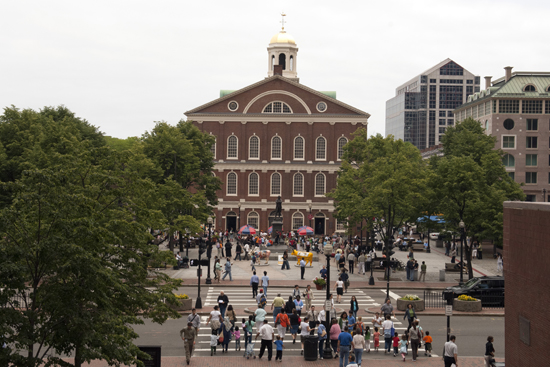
(442, 313)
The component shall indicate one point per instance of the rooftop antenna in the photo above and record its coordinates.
(283, 21)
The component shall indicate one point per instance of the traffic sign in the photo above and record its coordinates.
(310, 216)
(328, 304)
(449, 310)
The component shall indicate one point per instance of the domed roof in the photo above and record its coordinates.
(282, 37)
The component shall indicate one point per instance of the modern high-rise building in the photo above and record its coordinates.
(516, 110)
(274, 138)
(423, 107)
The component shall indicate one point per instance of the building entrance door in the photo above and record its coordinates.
(319, 224)
(231, 222)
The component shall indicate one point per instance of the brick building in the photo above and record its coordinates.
(516, 110)
(278, 137)
(526, 254)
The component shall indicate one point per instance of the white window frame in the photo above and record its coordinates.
(236, 147)
(320, 174)
(338, 228)
(280, 148)
(236, 184)
(317, 151)
(271, 184)
(253, 214)
(502, 142)
(294, 184)
(303, 149)
(215, 148)
(250, 148)
(340, 148)
(282, 108)
(258, 184)
(297, 215)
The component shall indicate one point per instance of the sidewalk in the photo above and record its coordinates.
(224, 361)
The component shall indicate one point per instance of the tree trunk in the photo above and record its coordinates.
(171, 243)
(77, 356)
(469, 257)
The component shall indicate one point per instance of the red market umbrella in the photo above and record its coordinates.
(304, 231)
(247, 229)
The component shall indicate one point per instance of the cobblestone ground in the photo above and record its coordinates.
(222, 361)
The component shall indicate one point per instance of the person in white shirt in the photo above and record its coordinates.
(304, 331)
(387, 325)
(377, 321)
(267, 334)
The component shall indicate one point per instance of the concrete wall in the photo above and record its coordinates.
(526, 264)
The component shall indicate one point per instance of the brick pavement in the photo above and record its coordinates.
(224, 361)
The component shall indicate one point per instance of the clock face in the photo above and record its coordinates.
(321, 106)
(233, 106)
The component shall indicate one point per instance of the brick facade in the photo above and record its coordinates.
(526, 254)
(336, 122)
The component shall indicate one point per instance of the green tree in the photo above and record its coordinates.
(380, 178)
(471, 183)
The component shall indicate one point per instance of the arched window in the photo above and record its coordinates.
(298, 189)
(291, 63)
(231, 183)
(272, 62)
(508, 160)
(529, 88)
(253, 184)
(254, 147)
(213, 149)
(299, 148)
(282, 61)
(232, 143)
(341, 142)
(253, 219)
(277, 107)
(275, 184)
(320, 149)
(276, 147)
(297, 220)
(319, 184)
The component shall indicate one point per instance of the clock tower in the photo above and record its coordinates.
(282, 50)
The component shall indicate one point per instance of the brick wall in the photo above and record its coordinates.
(526, 263)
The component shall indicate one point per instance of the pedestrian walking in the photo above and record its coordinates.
(248, 330)
(237, 336)
(223, 301)
(334, 333)
(351, 361)
(395, 341)
(410, 315)
(361, 263)
(453, 253)
(450, 352)
(308, 297)
(254, 281)
(266, 333)
(277, 306)
(351, 262)
(227, 328)
(231, 314)
(218, 270)
(423, 269)
(414, 338)
(228, 269)
(259, 316)
(345, 341)
(313, 316)
(354, 306)
(279, 346)
(298, 305)
(489, 352)
(358, 345)
(281, 323)
(428, 345)
(345, 278)
(238, 251)
(194, 319)
(246, 249)
(296, 291)
(302, 268)
(322, 334)
(294, 324)
(265, 282)
(215, 318)
(386, 309)
(447, 248)
(409, 268)
(228, 247)
(403, 346)
(189, 336)
(387, 327)
(339, 287)
(304, 332)
(499, 263)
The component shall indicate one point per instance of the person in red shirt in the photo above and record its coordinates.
(395, 343)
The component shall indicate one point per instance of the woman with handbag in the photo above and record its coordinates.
(410, 315)
(414, 339)
(226, 333)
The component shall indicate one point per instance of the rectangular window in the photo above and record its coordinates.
(442, 113)
(423, 79)
(530, 159)
(531, 106)
(450, 96)
(547, 106)
(512, 175)
(469, 81)
(442, 130)
(531, 198)
(508, 106)
(530, 177)
(450, 122)
(532, 142)
(340, 226)
(442, 122)
(532, 124)
(433, 80)
(508, 142)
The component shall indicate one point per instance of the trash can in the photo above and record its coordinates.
(442, 275)
(415, 274)
(311, 347)
(439, 243)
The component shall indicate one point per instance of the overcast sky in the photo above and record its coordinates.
(123, 65)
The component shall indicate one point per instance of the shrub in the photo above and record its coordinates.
(182, 296)
(410, 297)
(464, 297)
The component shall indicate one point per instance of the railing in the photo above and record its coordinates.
(489, 299)
(434, 299)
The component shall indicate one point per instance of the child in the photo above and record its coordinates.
(213, 342)
(403, 346)
(428, 344)
(351, 320)
(367, 339)
(395, 343)
(376, 336)
(352, 361)
(237, 335)
(280, 346)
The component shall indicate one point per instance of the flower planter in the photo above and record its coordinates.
(186, 305)
(467, 306)
(417, 305)
(319, 287)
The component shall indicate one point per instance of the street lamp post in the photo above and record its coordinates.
(327, 352)
(209, 249)
(371, 279)
(461, 225)
(309, 214)
(239, 219)
(198, 304)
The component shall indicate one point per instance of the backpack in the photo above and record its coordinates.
(263, 301)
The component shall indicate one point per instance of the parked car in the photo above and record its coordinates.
(434, 236)
(490, 289)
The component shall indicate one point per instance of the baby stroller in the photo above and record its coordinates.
(250, 351)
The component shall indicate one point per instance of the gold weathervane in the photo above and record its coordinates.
(283, 20)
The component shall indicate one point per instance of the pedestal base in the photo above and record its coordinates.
(277, 227)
